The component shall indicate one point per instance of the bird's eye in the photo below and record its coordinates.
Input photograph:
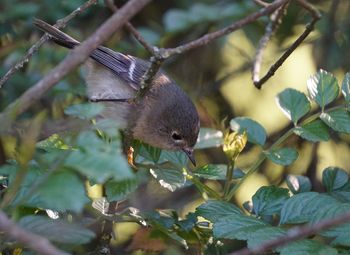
(176, 136)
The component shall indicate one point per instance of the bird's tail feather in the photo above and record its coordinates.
(56, 35)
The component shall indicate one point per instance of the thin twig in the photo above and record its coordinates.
(296, 233)
(261, 3)
(132, 29)
(229, 29)
(61, 23)
(308, 29)
(275, 21)
(74, 58)
(34, 242)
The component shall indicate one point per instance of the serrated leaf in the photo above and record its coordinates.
(56, 230)
(334, 178)
(62, 191)
(323, 88)
(282, 156)
(263, 235)
(237, 226)
(99, 160)
(302, 207)
(214, 210)
(148, 154)
(119, 190)
(211, 172)
(170, 179)
(314, 131)
(269, 200)
(298, 184)
(209, 138)
(307, 247)
(294, 104)
(345, 88)
(338, 120)
(85, 111)
(178, 158)
(256, 133)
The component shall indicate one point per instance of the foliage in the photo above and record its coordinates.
(50, 179)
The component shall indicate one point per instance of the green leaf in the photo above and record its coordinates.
(315, 131)
(338, 120)
(170, 179)
(298, 184)
(215, 210)
(294, 104)
(237, 226)
(209, 138)
(119, 190)
(62, 191)
(256, 133)
(303, 207)
(211, 172)
(56, 230)
(178, 158)
(334, 178)
(263, 235)
(343, 193)
(307, 247)
(323, 88)
(269, 200)
(148, 154)
(345, 88)
(99, 160)
(84, 111)
(282, 156)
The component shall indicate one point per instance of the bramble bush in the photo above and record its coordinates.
(50, 178)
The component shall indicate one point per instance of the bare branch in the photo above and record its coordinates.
(132, 30)
(214, 35)
(308, 29)
(74, 58)
(33, 241)
(61, 23)
(275, 20)
(296, 233)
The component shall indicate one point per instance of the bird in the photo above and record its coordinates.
(165, 117)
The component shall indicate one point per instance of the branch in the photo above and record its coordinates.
(296, 233)
(36, 243)
(74, 58)
(309, 28)
(61, 23)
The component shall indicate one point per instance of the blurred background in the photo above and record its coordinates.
(217, 76)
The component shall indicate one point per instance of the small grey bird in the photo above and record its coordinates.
(165, 117)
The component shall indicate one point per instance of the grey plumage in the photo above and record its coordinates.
(165, 117)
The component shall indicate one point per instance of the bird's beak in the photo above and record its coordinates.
(190, 155)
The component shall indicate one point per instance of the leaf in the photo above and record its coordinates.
(99, 160)
(263, 235)
(338, 120)
(315, 131)
(269, 200)
(334, 178)
(211, 172)
(303, 207)
(214, 210)
(343, 193)
(62, 191)
(178, 158)
(345, 88)
(323, 88)
(237, 226)
(170, 179)
(148, 154)
(256, 133)
(209, 138)
(307, 247)
(298, 184)
(282, 156)
(56, 230)
(119, 190)
(85, 111)
(294, 104)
